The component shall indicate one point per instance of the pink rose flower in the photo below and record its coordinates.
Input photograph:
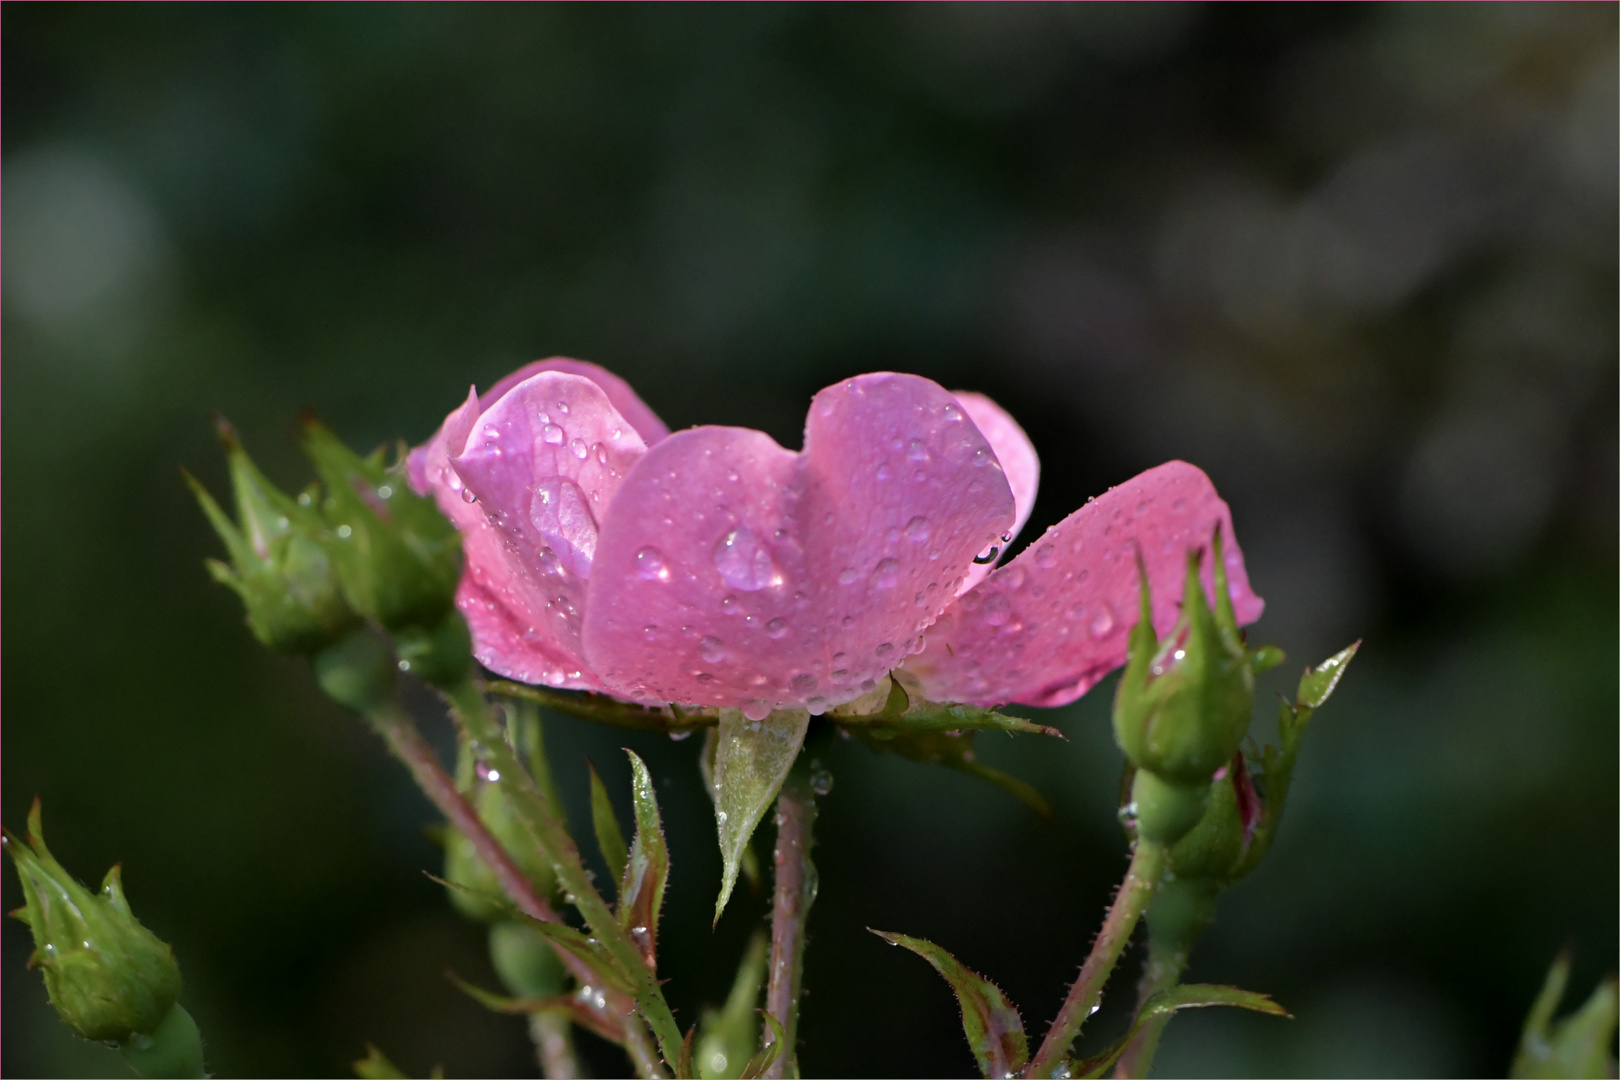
(712, 567)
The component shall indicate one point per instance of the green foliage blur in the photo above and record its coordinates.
(1357, 262)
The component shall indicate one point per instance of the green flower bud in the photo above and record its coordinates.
(279, 564)
(109, 977)
(1165, 811)
(356, 670)
(440, 655)
(527, 965)
(462, 864)
(398, 558)
(1183, 704)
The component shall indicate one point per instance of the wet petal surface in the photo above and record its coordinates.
(1046, 627)
(645, 422)
(733, 572)
(1019, 462)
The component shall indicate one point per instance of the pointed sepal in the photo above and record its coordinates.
(750, 759)
(994, 1030)
(609, 837)
(1167, 1002)
(1575, 1046)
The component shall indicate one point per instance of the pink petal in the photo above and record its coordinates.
(733, 572)
(1043, 629)
(632, 408)
(1018, 460)
(543, 463)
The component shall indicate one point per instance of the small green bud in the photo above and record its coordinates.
(109, 977)
(462, 864)
(398, 558)
(1183, 704)
(527, 965)
(279, 565)
(356, 671)
(440, 656)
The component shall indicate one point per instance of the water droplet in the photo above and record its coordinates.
(743, 561)
(996, 610)
(847, 576)
(756, 710)
(494, 776)
(650, 565)
(579, 449)
(344, 532)
(1013, 577)
(552, 434)
(467, 496)
(601, 453)
(712, 649)
(988, 555)
(917, 530)
(562, 407)
(884, 649)
(776, 629)
(821, 781)
(886, 574)
(1102, 623)
(917, 450)
(1127, 814)
(804, 682)
(680, 733)
(883, 472)
(1046, 556)
(848, 622)
(562, 515)
(384, 492)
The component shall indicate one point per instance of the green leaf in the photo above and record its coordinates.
(641, 883)
(728, 1037)
(1265, 658)
(1166, 1002)
(1319, 682)
(1578, 1045)
(761, 1062)
(609, 838)
(994, 1030)
(375, 1066)
(954, 750)
(751, 759)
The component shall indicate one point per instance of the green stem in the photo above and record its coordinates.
(794, 893)
(1161, 972)
(554, 1045)
(1147, 866)
(551, 833)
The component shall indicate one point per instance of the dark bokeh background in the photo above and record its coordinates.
(1358, 262)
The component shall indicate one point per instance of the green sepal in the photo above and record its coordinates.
(747, 762)
(479, 895)
(397, 557)
(1167, 1002)
(641, 883)
(568, 1005)
(729, 1036)
(954, 750)
(1577, 1045)
(356, 670)
(439, 654)
(609, 837)
(1317, 684)
(376, 1066)
(994, 1030)
(761, 1062)
(279, 565)
(603, 709)
(174, 1048)
(109, 977)
(903, 713)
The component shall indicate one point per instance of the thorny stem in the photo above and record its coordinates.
(641, 1050)
(1161, 972)
(1147, 866)
(551, 834)
(554, 1045)
(795, 892)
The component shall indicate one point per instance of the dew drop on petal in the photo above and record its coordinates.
(712, 649)
(552, 435)
(1046, 556)
(885, 650)
(743, 561)
(650, 565)
(561, 514)
(804, 682)
(917, 529)
(917, 450)
(883, 472)
(467, 495)
(756, 710)
(579, 449)
(776, 629)
(847, 576)
(886, 574)
(996, 610)
(1102, 623)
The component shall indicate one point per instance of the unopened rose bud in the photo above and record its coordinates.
(398, 558)
(109, 977)
(462, 864)
(279, 565)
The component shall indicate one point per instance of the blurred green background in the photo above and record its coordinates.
(1358, 262)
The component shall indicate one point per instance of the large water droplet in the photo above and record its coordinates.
(579, 449)
(917, 530)
(552, 435)
(885, 650)
(650, 565)
(886, 574)
(1046, 556)
(712, 649)
(562, 515)
(756, 710)
(987, 556)
(996, 610)
(467, 495)
(743, 561)
(776, 629)
(847, 576)
(1102, 623)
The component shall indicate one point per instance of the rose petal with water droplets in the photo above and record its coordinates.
(1007, 642)
(1019, 463)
